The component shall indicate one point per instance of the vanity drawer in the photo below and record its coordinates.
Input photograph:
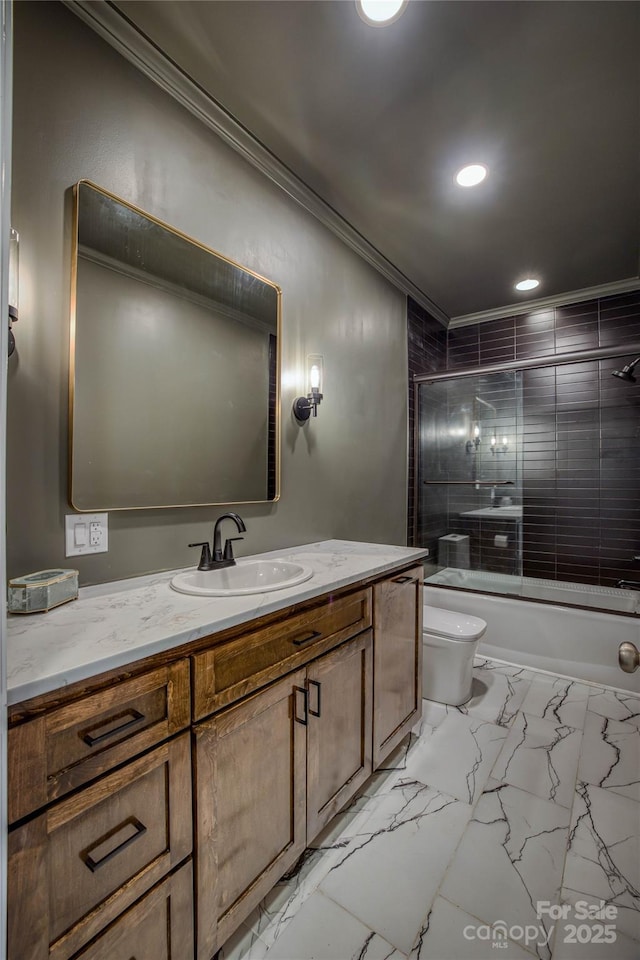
(158, 927)
(234, 669)
(72, 745)
(77, 866)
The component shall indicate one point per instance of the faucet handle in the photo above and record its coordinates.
(205, 557)
(228, 549)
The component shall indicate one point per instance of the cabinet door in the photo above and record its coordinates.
(158, 927)
(250, 789)
(397, 663)
(339, 732)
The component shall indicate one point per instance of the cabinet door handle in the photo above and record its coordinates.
(403, 580)
(312, 636)
(305, 699)
(318, 686)
(92, 739)
(132, 830)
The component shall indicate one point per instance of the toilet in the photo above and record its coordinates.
(450, 642)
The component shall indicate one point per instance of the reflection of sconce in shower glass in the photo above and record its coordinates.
(14, 242)
(475, 443)
(499, 448)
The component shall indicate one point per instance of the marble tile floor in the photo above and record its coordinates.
(492, 832)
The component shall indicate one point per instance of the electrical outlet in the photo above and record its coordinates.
(86, 533)
(95, 533)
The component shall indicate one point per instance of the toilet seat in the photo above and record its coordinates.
(450, 625)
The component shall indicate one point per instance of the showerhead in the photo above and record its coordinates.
(626, 373)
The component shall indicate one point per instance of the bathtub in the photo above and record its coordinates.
(582, 644)
(555, 591)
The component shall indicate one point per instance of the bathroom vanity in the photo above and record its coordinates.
(162, 781)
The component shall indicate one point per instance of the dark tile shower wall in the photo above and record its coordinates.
(581, 437)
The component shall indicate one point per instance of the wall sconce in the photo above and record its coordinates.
(303, 407)
(472, 445)
(14, 241)
(499, 448)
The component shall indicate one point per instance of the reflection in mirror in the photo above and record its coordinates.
(174, 372)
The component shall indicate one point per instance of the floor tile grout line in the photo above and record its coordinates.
(328, 896)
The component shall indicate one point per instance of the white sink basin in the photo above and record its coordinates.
(254, 576)
(496, 513)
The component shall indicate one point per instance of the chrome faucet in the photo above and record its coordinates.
(221, 558)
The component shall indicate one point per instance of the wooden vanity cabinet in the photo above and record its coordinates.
(397, 669)
(101, 812)
(288, 718)
(271, 771)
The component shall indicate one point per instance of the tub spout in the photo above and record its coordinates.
(628, 657)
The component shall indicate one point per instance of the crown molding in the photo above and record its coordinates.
(125, 37)
(545, 303)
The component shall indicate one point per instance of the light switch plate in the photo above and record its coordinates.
(86, 533)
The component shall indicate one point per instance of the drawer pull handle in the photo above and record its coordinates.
(318, 686)
(403, 580)
(132, 828)
(312, 636)
(305, 699)
(92, 739)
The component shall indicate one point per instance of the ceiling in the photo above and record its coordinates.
(377, 121)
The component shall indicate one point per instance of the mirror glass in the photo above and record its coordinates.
(174, 372)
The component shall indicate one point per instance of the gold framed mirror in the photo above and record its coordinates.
(174, 374)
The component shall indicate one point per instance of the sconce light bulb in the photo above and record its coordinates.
(314, 377)
(493, 441)
(505, 442)
(476, 431)
(304, 407)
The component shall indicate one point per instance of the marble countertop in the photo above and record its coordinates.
(115, 624)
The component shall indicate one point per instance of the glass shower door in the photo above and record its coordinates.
(469, 468)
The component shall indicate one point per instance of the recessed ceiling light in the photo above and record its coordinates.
(380, 12)
(472, 175)
(528, 284)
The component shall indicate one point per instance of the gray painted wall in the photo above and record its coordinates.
(82, 111)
